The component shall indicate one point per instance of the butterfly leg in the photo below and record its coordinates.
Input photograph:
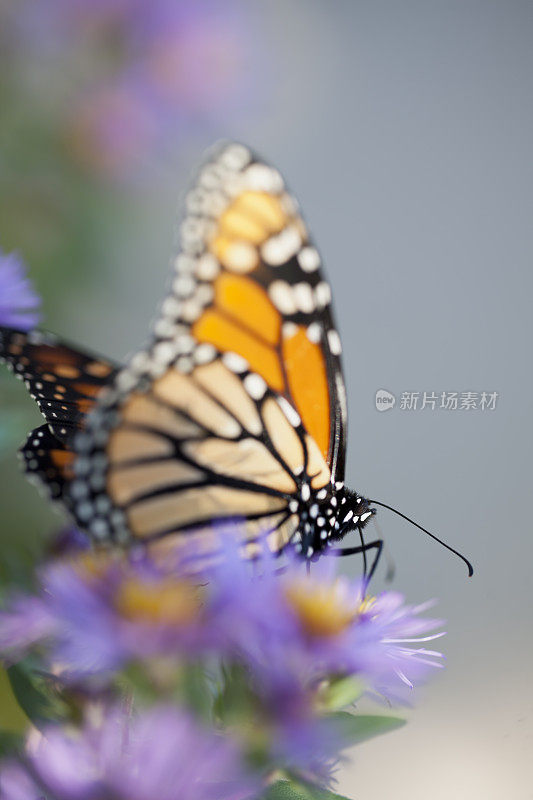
(376, 545)
(365, 563)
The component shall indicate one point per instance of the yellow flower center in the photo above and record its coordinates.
(93, 564)
(166, 601)
(366, 605)
(322, 609)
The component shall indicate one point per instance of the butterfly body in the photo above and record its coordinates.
(327, 517)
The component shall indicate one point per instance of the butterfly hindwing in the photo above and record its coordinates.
(236, 411)
(190, 449)
(50, 462)
(63, 380)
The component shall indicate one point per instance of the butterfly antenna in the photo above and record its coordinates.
(447, 546)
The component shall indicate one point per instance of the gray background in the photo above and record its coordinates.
(405, 129)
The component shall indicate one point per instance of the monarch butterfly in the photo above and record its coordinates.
(234, 412)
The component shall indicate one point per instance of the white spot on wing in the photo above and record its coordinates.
(289, 411)
(235, 156)
(235, 362)
(255, 386)
(191, 310)
(314, 332)
(279, 249)
(308, 259)
(304, 297)
(164, 352)
(289, 329)
(184, 264)
(171, 307)
(207, 267)
(261, 178)
(204, 353)
(281, 295)
(322, 294)
(334, 342)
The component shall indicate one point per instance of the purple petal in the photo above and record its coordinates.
(19, 302)
(26, 622)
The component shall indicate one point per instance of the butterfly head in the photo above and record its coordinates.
(327, 517)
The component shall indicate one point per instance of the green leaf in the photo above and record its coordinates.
(135, 680)
(286, 790)
(10, 742)
(11, 430)
(357, 728)
(38, 701)
(12, 717)
(339, 693)
(235, 700)
(197, 691)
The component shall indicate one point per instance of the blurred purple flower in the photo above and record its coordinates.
(16, 783)
(112, 127)
(68, 541)
(161, 753)
(97, 613)
(307, 745)
(26, 622)
(292, 630)
(194, 54)
(19, 303)
(152, 73)
(403, 661)
(295, 629)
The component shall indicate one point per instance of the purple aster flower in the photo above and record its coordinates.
(343, 631)
(293, 630)
(403, 660)
(96, 613)
(16, 783)
(19, 303)
(296, 629)
(161, 753)
(26, 622)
